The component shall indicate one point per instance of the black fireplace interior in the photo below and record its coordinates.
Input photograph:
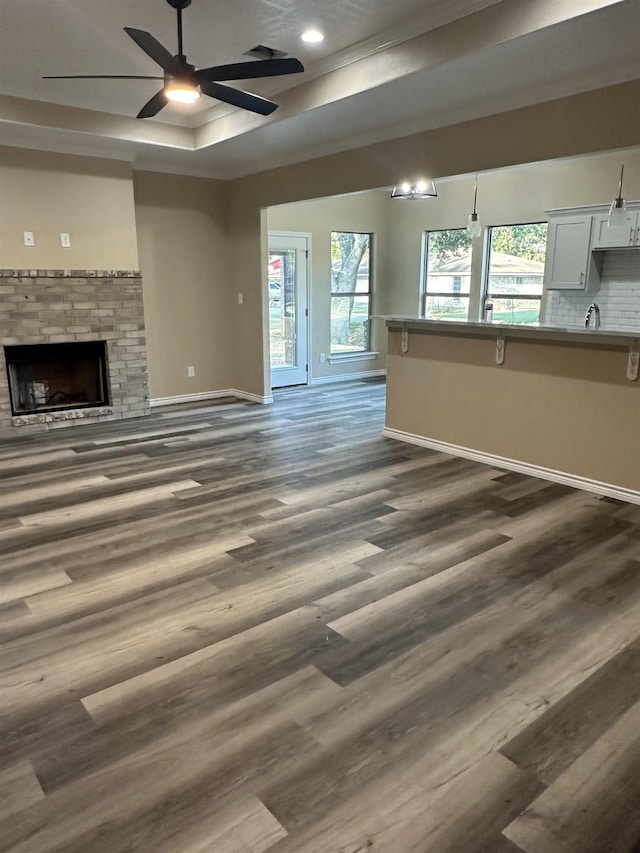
(50, 377)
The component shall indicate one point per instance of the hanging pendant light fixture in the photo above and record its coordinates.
(618, 209)
(473, 222)
(419, 189)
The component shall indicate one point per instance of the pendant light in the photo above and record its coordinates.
(419, 189)
(473, 222)
(618, 209)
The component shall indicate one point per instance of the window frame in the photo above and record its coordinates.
(487, 296)
(337, 355)
(425, 292)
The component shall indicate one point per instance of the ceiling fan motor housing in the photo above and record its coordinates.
(179, 4)
(187, 69)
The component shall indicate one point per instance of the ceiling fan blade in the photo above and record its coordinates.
(250, 70)
(237, 98)
(154, 105)
(155, 50)
(99, 77)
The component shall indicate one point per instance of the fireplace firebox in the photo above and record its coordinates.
(51, 377)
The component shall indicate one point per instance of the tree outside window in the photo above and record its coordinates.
(350, 291)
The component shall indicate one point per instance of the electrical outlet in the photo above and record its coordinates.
(29, 239)
(191, 371)
(322, 358)
(240, 298)
(65, 241)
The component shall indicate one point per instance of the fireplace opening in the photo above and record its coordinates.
(50, 377)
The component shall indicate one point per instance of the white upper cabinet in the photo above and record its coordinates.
(577, 240)
(618, 236)
(568, 252)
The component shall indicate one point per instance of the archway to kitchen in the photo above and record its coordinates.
(507, 198)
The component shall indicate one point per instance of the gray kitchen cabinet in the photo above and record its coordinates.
(618, 236)
(577, 239)
(569, 263)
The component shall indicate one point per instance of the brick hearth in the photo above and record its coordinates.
(62, 306)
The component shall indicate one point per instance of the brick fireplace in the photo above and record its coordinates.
(43, 314)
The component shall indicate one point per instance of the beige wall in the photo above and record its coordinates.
(179, 226)
(364, 212)
(582, 124)
(90, 199)
(189, 301)
(561, 406)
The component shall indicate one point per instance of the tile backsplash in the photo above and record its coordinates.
(618, 295)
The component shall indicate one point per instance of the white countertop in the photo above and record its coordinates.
(576, 334)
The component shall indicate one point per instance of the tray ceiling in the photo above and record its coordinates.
(383, 70)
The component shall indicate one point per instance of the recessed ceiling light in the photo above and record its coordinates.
(312, 36)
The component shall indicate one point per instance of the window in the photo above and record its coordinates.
(447, 275)
(515, 272)
(350, 291)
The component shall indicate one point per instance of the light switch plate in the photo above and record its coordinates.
(29, 239)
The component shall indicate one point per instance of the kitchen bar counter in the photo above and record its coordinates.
(558, 403)
(601, 336)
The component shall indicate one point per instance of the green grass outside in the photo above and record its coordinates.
(524, 317)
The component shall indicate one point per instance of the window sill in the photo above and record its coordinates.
(352, 356)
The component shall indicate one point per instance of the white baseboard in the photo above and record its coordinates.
(203, 396)
(347, 377)
(253, 398)
(573, 480)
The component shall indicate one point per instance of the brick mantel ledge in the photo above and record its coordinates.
(70, 273)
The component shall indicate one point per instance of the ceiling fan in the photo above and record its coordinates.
(183, 82)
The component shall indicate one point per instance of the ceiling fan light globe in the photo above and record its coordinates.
(183, 93)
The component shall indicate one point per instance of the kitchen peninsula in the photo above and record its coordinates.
(559, 403)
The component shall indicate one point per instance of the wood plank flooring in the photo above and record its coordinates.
(267, 629)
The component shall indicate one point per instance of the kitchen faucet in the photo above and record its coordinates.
(592, 309)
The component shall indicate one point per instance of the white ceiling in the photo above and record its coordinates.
(384, 70)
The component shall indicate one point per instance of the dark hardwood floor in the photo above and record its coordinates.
(242, 628)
